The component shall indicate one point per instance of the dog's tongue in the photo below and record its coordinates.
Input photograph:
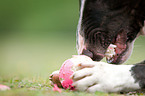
(121, 47)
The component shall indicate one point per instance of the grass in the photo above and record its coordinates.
(39, 87)
(27, 60)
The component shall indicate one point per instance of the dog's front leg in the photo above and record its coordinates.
(105, 77)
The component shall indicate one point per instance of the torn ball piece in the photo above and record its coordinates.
(110, 51)
(4, 87)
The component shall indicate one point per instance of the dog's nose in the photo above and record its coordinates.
(88, 53)
(98, 57)
(95, 57)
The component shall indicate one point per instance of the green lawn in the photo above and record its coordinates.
(27, 60)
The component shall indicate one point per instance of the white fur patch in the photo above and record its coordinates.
(80, 41)
(80, 45)
(81, 15)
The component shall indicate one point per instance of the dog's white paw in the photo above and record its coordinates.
(100, 76)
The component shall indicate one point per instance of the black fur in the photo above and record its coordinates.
(104, 19)
(138, 72)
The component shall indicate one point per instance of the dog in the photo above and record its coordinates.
(105, 22)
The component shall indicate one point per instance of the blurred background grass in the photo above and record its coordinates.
(36, 36)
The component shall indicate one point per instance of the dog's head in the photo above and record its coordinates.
(105, 22)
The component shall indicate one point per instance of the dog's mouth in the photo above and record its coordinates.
(117, 52)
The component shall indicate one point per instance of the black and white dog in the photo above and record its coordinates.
(105, 22)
